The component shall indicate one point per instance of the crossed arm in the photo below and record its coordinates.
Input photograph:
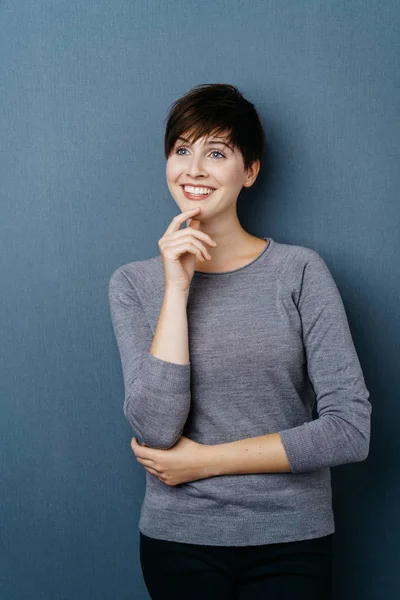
(189, 460)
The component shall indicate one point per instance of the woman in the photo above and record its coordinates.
(227, 342)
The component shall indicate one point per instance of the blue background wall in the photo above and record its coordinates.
(85, 88)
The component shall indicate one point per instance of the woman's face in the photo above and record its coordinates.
(208, 163)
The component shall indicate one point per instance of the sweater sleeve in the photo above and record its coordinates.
(157, 392)
(341, 433)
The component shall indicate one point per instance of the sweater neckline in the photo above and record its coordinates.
(256, 259)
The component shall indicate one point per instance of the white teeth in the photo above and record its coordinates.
(197, 190)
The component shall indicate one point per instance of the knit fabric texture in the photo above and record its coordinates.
(268, 343)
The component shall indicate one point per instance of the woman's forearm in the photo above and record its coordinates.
(261, 454)
(170, 340)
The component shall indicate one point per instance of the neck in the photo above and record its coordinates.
(234, 245)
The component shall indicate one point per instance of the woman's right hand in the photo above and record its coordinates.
(179, 248)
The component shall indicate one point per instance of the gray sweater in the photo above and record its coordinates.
(267, 341)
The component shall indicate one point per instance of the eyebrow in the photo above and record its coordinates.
(208, 143)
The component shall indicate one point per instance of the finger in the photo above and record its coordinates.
(152, 471)
(146, 462)
(190, 247)
(181, 218)
(135, 443)
(196, 233)
(174, 244)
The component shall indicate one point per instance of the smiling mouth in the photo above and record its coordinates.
(194, 192)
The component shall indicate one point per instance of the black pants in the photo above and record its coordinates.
(299, 570)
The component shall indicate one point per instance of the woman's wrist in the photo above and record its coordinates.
(174, 292)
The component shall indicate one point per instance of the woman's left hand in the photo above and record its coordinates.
(186, 461)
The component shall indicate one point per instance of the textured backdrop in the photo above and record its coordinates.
(84, 92)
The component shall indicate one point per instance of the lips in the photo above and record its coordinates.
(198, 196)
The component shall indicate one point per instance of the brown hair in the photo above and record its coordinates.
(217, 109)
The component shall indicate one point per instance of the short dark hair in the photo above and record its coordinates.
(215, 109)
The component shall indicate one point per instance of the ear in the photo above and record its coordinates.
(251, 173)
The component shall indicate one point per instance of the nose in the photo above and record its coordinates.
(196, 167)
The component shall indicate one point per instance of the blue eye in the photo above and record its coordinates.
(212, 152)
